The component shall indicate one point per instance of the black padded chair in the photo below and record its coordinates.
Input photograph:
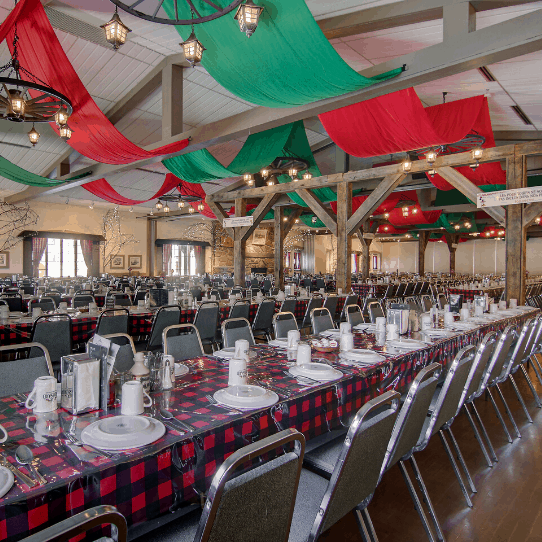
(263, 321)
(55, 333)
(182, 341)
(206, 320)
(168, 315)
(112, 321)
(235, 329)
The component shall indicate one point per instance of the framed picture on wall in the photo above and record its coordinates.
(4, 260)
(134, 261)
(259, 237)
(117, 262)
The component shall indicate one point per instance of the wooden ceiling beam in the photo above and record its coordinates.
(327, 216)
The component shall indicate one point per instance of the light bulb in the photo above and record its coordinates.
(307, 176)
(407, 165)
(431, 156)
(166, 208)
(180, 204)
(131, 209)
(264, 172)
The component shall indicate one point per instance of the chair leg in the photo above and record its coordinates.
(455, 467)
(416, 501)
(478, 437)
(537, 368)
(499, 415)
(426, 498)
(508, 411)
(365, 531)
(484, 433)
(369, 524)
(520, 398)
(529, 381)
(461, 460)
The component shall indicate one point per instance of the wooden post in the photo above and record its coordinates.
(344, 241)
(452, 240)
(516, 177)
(239, 246)
(423, 238)
(151, 246)
(364, 260)
(279, 246)
(172, 100)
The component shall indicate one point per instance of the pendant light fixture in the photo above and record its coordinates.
(247, 16)
(115, 31)
(292, 172)
(33, 136)
(159, 205)
(307, 176)
(180, 204)
(407, 165)
(264, 172)
(191, 210)
(18, 103)
(192, 48)
(431, 157)
(248, 178)
(61, 117)
(201, 206)
(65, 132)
(166, 208)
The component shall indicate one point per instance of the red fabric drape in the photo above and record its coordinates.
(385, 207)
(389, 229)
(196, 190)
(105, 191)
(39, 244)
(398, 122)
(41, 53)
(415, 213)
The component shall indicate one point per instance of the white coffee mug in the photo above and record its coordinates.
(426, 322)
(339, 291)
(345, 328)
(465, 314)
(347, 342)
(478, 311)
(43, 397)
(513, 303)
(446, 308)
(448, 318)
(303, 354)
(293, 338)
(493, 308)
(392, 332)
(36, 312)
(237, 371)
(4, 311)
(141, 304)
(63, 306)
(380, 323)
(92, 307)
(502, 305)
(241, 349)
(132, 403)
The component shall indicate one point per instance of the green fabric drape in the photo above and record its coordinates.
(448, 221)
(286, 63)
(19, 175)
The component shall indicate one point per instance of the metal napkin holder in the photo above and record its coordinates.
(76, 369)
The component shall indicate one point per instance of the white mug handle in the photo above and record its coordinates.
(146, 395)
(30, 397)
(5, 434)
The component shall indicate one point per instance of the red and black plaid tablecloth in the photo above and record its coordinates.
(469, 295)
(160, 478)
(378, 290)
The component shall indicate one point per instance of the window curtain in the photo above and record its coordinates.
(40, 52)
(307, 256)
(86, 249)
(166, 257)
(39, 244)
(199, 253)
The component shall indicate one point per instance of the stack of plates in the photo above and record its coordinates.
(479, 320)
(123, 432)
(437, 333)
(246, 396)
(461, 326)
(279, 343)
(360, 356)
(365, 327)
(331, 333)
(316, 371)
(228, 353)
(406, 344)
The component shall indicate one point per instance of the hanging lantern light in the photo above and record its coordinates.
(408, 236)
(314, 219)
(191, 210)
(247, 16)
(407, 165)
(488, 233)
(270, 182)
(386, 228)
(159, 205)
(457, 227)
(405, 211)
(432, 172)
(248, 178)
(307, 176)
(33, 136)
(477, 153)
(297, 220)
(91, 205)
(180, 204)
(386, 215)
(131, 209)
(501, 232)
(468, 225)
(431, 156)
(115, 31)
(151, 213)
(414, 210)
(193, 49)
(201, 207)
(264, 172)
(293, 173)
(65, 132)
(166, 208)
(61, 117)
(537, 220)
(17, 103)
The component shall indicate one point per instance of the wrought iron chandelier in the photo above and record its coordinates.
(247, 16)
(17, 104)
(167, 201)
(282, 165)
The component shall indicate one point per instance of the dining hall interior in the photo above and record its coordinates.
(270, 269)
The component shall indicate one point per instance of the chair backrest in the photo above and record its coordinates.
(266, 286)
(182, 341)
(520, 348)
(266, 493)
(240, 309)
(113, 321)
(18, 375)
(354, 315)
(289, 305)
(321, 320)
(264, 315)
(28, 289)
(196, 293)
(122, 300)
(409, 290)
(447, 397)
(500, 354)
(411, 418)
(236, 329)
(315, 302)
(417, 288)
(282, 323)
(55, 333)
(442, 301)
(82, 300)
(351, 299)
(358, 466)
(320, 283)
(366, 303)
(124, 359)
(54, 295)
(427, 304)
(375, 311)
(481, 362)
(44, 303)
(330, 303)
(75, 526)
(229, 282)
(168, 315)
(401, 289)
(140, 295)
(206, 320)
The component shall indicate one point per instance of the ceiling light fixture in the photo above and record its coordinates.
(307, 176)
(248, 16)
(192, 47)
(159, 205)
(65, 132)
(115, 30)
(293, 173)
(431, 157)
(201, 206)
(33, 136)
(191, 210)
(166, 208)
(407, 166)
(180, 204)
(91, 205)
(131, 209)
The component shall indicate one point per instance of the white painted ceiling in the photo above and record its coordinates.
(109, 75)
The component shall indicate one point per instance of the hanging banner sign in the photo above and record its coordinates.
(509, 197)
(238, 221)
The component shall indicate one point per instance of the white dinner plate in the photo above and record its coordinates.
(279, 343)
(181, 370)
(478, 320)
(406, 344)
(123, 432)
(361, 355)
(438, 333)
(365, 327)
(331, 333)
(246, 397)
(228, 353)
(316, 371)
(462, 326)
(6, 480)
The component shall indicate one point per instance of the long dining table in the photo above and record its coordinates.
(174, 473)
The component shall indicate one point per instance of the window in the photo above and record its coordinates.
(183, 260)
(354, 263)
(63, 258)
(375, 261)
